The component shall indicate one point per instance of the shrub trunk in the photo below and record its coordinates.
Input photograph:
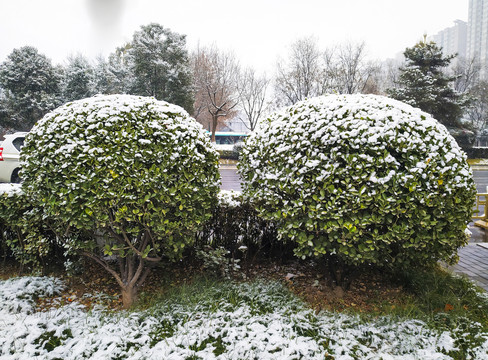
(129, 295)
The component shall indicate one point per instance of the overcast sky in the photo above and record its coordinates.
(258, 31)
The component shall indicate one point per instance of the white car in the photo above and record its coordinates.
(9, 157)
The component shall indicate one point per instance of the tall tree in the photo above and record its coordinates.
(477, 112)
(423, 83)
(310, 72)
(102, 77)
(159, 61)
(301, 75)
(252, 90)
(353, 73)
(31, 88)
(78, 77)
(216, 93)
(467, 74)
(120, 76)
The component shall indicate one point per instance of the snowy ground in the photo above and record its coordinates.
(261, 321)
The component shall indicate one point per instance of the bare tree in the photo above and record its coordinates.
(390, 72)
(215, 79)
(310, 72)
(301, 76)
(252, 95)
(467, 72)
(477, 112)
(353, 73)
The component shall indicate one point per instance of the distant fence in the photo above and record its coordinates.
(479, 148)
(477, 153)
(481, 142)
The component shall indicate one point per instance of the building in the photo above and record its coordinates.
(453, 40)
(477, 39)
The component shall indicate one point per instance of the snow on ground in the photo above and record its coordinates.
(250, 321)
(10, 189)
(224, 147)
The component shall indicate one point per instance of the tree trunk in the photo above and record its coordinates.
(340, 274)
(215, 120)
(129, 295)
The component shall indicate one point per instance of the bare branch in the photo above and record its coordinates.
(215, 74)
(252, 95)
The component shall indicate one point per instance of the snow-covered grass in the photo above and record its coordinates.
(261, 320)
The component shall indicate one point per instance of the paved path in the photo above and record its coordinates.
(473, 258)
(473, 263)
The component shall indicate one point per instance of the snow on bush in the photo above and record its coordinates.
(364, 177)
(229, 198)
(24, 232)
(10, 189)
(244, 321)
(137, 173)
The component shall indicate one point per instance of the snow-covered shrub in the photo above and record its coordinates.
(24, 231)
(365, 178)
(236, 150)
(138, 173)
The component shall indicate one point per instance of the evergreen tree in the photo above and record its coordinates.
(423, 84)
(105, 80)
(159, 62)
(120, 73)
(77, 79)
(30, 88)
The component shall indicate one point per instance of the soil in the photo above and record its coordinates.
(370, 291)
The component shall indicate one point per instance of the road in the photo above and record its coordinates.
(230, 178)
(481, 180)
(231, 181)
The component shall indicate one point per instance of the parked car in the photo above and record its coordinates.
(9, 157)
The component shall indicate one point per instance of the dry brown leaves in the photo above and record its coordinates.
(369, 292)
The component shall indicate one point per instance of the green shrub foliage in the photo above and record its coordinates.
(140, 172)
(25, 233)
(365, 178)
(236, 227)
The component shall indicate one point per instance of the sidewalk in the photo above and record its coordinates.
(473, 258)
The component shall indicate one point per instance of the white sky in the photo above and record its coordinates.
(258, 31)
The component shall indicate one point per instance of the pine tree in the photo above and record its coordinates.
(423, 84)
(30, 88)
(78, 78)
(159, 62)
(104, 80)
(120, 76)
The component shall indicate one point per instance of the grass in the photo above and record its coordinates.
(206, 318)
(477, 162)
(443, 301)
(212, 294)
(438, 291)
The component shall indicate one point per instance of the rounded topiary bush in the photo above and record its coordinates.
(362, 178)
(137, 172)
